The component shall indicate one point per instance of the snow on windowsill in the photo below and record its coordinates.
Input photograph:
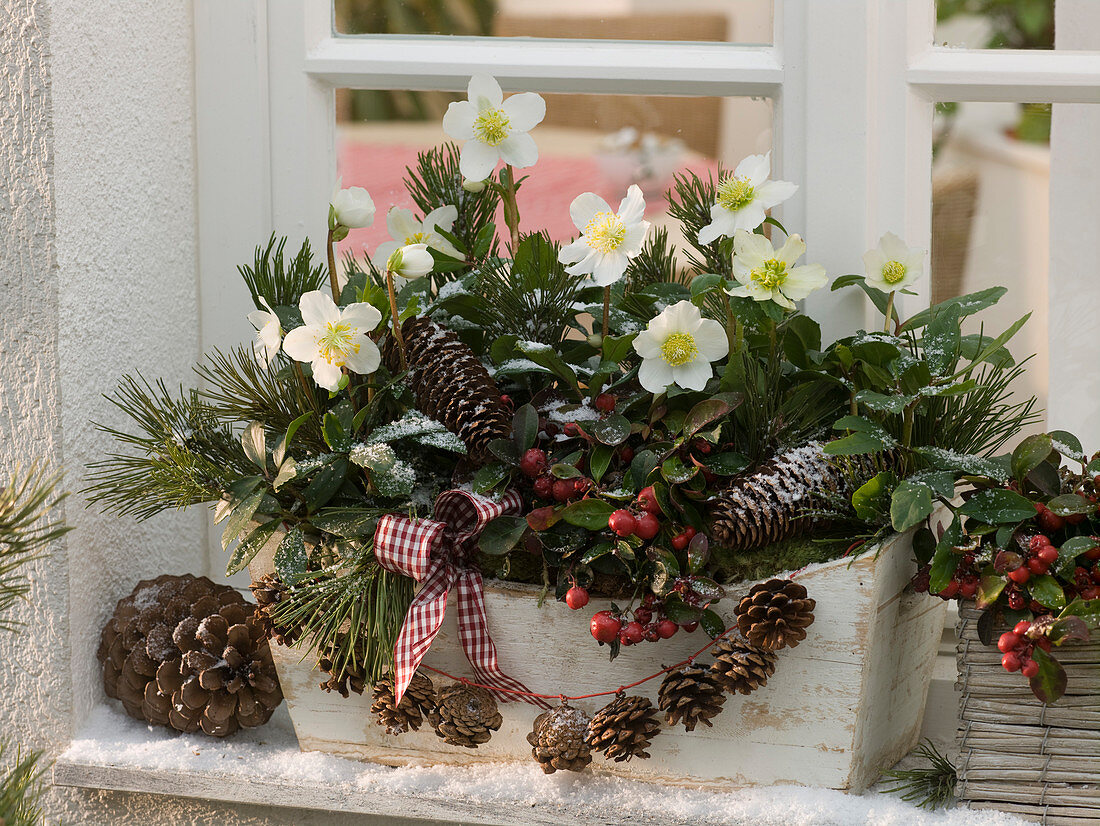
(264, 766)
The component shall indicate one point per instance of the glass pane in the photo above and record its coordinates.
(746, 21)
(597, 143)
(991, 226)
(995, 24)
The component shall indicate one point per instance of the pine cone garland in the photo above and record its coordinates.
(775, 614)
(558, 740)
(451, 385)
(624, 728)
(741, 668)
(692, 695)
(465, 715)
(769, 505)
(187, 653)
(268, 591)
(416, 704)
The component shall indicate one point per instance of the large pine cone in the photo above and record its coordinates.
(741, 668)
(451, 385)
(465, 715)
(624, 728)
(186, 653)
(268, 591)
(775, 614)
(691, 694)
(771, 504)
(417, 703)
(558, 740)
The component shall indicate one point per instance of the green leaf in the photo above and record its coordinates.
(291, 557)
(546, 356)
(325, 484)
(284, 443)
(1088, 610)
(942, 482)
(336, 437)
(872, 499)
(641, 466)
(505, 450)
(1050, 683)
(564, 471)
(1029, 454)
(1047, 591)
(998, 507)
(617, 348)
(698, 553)
(966, 463)
(1077, 545)
(240, 517)
(612, 431)
(598, 461)
(489, 477)
(1070, 504)
(624, 551)
(942, 340)
(1068, 445)
(999, 341)
(247, 549)
(680, 612)
(726, 464)
(881, 403)
(924, 545)
(705, 412)
(544, 518)
(945, 560)
(525, 427)
(502, 534)
(1069, 629)
(990, 588)
(676, 472)
(255, 445)
(590, 514)
(712, 624)
(704, 283)
(854, 444)
(967, 305)
(910, 505)
(350, 523)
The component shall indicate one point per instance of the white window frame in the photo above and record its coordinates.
(854, 83)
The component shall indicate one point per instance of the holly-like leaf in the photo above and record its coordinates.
(240, 517)
(942, 340)
(502, 534)
(910, 504)
(590, 514)
(965, 463)
(489, 477)
(998, 507)
(291, 557)
(1050, 683)
(641, 466)
(680, 612)
(882, 403)
(350, 523)
(525, 428)
(1068, 445)
(598, 461)
(336, 437)
(325, 483)
(250, 546)
(1047, 591)
(612, 431)
(561, 470)
(1029, 453)
(712, 624)
(729, 463)
(1069, 504)
(617, 348)
(676, 472)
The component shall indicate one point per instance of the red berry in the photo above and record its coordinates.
(647, 526)
(649, 599)
(1029, 669)
(626, 453)
(968, 588)
(1020, 575)
(1037, 566)
(576, 597)
(605, 626)
(647, 498)
(605, 402)
(1037, 543)
(1044, 643)
(1010, 662)
(563, 490)
(666, 628)
(1022, 627)
(622, 522)
(624, 639)
(1050, 521)
(580, 485)
(1075, 518)
(680, 541)
(690, 532)
(1093, 553)
(533, 462)
(1016, 601)
(544, 487)
(1049, 554)
(634, 631)
(651, 634)
(1036, 607)
(690, 626)
(1090, 593)
(643, 615)
(571, 429)
(950, 590)
(1008, 642)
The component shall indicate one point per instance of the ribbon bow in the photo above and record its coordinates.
(435, 552)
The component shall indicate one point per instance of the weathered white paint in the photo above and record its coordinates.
(842, 706)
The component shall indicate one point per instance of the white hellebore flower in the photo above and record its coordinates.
(353, 207)
(743, 197)
(677, 348)
(269, 333)
(405, 229)
(493, 128)
(608, 239)
(411, 261)
(768, 273)
(892, 265)
(333, 337)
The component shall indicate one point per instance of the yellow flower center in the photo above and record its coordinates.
(491, 126)
(605, 232)
(893, 272)
(416, 238)
(679, 348)
(771, 275)
(336, 342)
(734, 193)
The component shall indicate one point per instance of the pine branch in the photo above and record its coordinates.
(689, 202)
(929, 787)
(656, 264)
(182, 454)
(21, 786)
(531, 297)
(282, 283)
(25, 501)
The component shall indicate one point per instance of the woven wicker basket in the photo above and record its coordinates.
(1018, 755)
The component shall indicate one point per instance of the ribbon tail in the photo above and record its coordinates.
(473, 632)
(422, 623)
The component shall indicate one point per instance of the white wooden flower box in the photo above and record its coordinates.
(841, 707)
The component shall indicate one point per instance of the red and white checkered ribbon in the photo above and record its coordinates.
(435, 552)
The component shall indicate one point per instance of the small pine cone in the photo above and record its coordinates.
(465, 715)
(770, 504)
(558, 740)
(691, 694)
(624, 728)
(775, 614)
(268, 591)
(741, 668)
(451, 385)
(415, 705)
(352, 677)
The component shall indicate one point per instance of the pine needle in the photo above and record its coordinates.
(655, 264)
(689, 202)
(282, 283)
(928, 787)
(21, 786)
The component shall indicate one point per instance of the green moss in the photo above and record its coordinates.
(788, 555)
